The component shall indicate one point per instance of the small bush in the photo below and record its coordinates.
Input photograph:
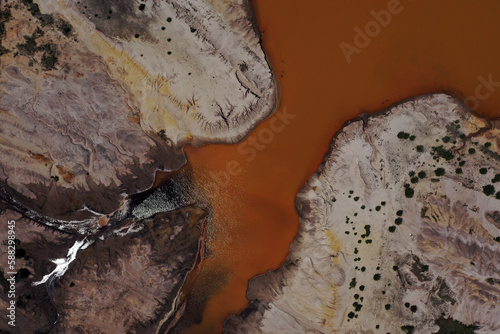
(440, 171)
(489, 190)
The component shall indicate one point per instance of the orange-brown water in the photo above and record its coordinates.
(428, 46)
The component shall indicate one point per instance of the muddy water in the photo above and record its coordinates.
(427, 46)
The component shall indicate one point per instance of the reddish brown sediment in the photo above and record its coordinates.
(427, 47)
(420, 51)
(394, 229)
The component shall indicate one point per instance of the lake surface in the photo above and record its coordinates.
(327, 76)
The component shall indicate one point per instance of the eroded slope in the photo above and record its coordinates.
(399, 231)
(97, 96)
(126, 279)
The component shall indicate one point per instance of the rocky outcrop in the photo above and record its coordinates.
(96, 96)
(399, 231)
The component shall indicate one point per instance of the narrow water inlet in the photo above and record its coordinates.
(419, 52)
(192, 242)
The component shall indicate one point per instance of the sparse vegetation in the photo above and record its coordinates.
(163, 136)
(22, 274)
(20, 253)
(65, 28)
(45, 19)
(403, 135)
(440, 151)
(4, 17)
(408, 329)
(49, 59)
(491, 280)
(367, 230)
(452, 326)
(439, 172)
(409, 192)
(489, 190)
(357, 306)
(29, 46)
